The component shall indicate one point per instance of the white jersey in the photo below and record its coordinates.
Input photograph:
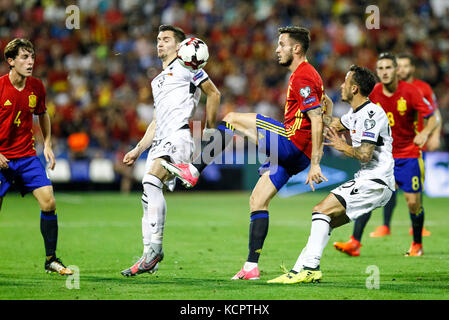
(369, 123)
(176, 95)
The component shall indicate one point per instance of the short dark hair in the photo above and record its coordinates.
(388, 55)
(407, 56)
(178, 32)
(299, 34)
(13, 47)
(364, 79)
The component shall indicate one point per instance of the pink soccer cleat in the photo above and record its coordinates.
(252, 274)
(186, 172)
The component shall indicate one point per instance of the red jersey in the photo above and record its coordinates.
(402, 109)
(427, 92)
(16, 116)
(305, 91)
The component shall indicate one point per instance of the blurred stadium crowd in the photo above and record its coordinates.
(97, 77)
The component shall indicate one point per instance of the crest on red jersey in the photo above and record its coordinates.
(304, 92)
(32, 100)
(402, 106)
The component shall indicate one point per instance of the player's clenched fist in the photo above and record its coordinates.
(130, 158)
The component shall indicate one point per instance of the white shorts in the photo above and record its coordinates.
(360, 196)
(179, 147)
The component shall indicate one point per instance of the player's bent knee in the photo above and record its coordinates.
(48, 204)
(321, 209)
(256, 203)
(45, 198)
(414, 207)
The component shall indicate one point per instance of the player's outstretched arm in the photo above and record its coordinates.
(130, 158)
(45, 124)
(213, 96)
(363, 153)
(328, 119)
(315, 174)
(333, 122)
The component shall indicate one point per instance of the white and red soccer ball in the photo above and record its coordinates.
(193, 53)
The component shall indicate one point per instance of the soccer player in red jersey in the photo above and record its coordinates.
(21, 96)
(406, 70)
(290, 146)
(402, 102)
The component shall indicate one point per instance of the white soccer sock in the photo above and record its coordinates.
(146, 229)
(319, 236)
(300, 261)
(156, 208)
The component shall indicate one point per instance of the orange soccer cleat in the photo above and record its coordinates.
(415, 250)
(381, 231)
(352, 247)
(425, 232)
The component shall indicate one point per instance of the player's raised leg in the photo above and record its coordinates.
(49, 229)
(244, 124)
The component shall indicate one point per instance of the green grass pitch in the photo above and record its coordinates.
(205, 244)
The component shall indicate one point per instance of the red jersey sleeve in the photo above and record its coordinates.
(421, 104)
(307, 94)
(427, 92)
(40, 97)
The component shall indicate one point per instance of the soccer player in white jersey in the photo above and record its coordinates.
(372, 185)
(176, 92)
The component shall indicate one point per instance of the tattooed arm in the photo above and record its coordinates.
(315, 174)
(363, 153)
(333, 122)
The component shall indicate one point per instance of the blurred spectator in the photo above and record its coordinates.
(98, 77)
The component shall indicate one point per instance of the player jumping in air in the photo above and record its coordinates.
(402, 102)
(290, 146)
(176, 95)
(372, 185)
(21, 97)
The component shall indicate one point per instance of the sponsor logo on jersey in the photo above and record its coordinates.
(402, 106)
(7, 103)
(368, 134)
(198, 75)
(305, 92)
(309, 101)
(429, 106)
